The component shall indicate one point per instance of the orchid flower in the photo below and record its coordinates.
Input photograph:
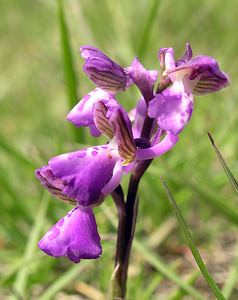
(189, 76)
(86, 176)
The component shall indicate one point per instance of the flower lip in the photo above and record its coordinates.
(74, 236)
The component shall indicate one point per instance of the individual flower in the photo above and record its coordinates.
(86, 176)
(199, 75)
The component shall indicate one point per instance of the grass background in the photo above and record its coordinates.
(34, 100)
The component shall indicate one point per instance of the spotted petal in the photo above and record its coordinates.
(74, 236)
(80, 175)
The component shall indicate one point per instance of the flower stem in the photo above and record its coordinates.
(127, 213)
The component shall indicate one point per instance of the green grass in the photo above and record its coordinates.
(40, 79)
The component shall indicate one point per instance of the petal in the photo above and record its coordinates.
(83, 173)
(104, 72)
(140, 115)
(201, 75)
(187, 56)
(52, 184)
(172, 108)
(166, 58)
(74, 236)
(162, 147)
(115, 179)
(82, 113)
(122, 131)
(101, 120)
(143, 78)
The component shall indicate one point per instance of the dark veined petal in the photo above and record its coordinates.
(101, 119)
(201, 75)
(122, 131)
(74, 236)
(103, 71)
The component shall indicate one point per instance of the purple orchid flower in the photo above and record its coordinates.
(199, 75)
(86, 176)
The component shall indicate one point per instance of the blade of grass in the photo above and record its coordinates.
(179, 293)
(232, 279)
(4, 145)
(189, 240)
(147, 294)
(69, 70)
(217, 201)
(154, 260)
(22, 276)
(227, 170)
(145, 35)
(63, 280)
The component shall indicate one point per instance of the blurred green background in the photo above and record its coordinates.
(34, 102)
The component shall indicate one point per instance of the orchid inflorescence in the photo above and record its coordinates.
(85, 177)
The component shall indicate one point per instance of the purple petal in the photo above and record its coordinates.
(74, 236)
(188, 54)
(143, 78)
(82, 173)
(162, 147)
(172, 108)
(166, 58)
(104, 72)
(115, 179)
(140, 115)
(82, 113)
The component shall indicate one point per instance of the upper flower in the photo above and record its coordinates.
(199, 75)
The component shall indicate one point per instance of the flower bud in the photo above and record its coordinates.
(104, 72)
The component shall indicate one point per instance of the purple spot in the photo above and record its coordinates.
(94, 153)
(182, 121)
(54, 233)
(61, 222)
(104, 147)
(81, 154)
(71, 156)
(96, 148)
(182, 114)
